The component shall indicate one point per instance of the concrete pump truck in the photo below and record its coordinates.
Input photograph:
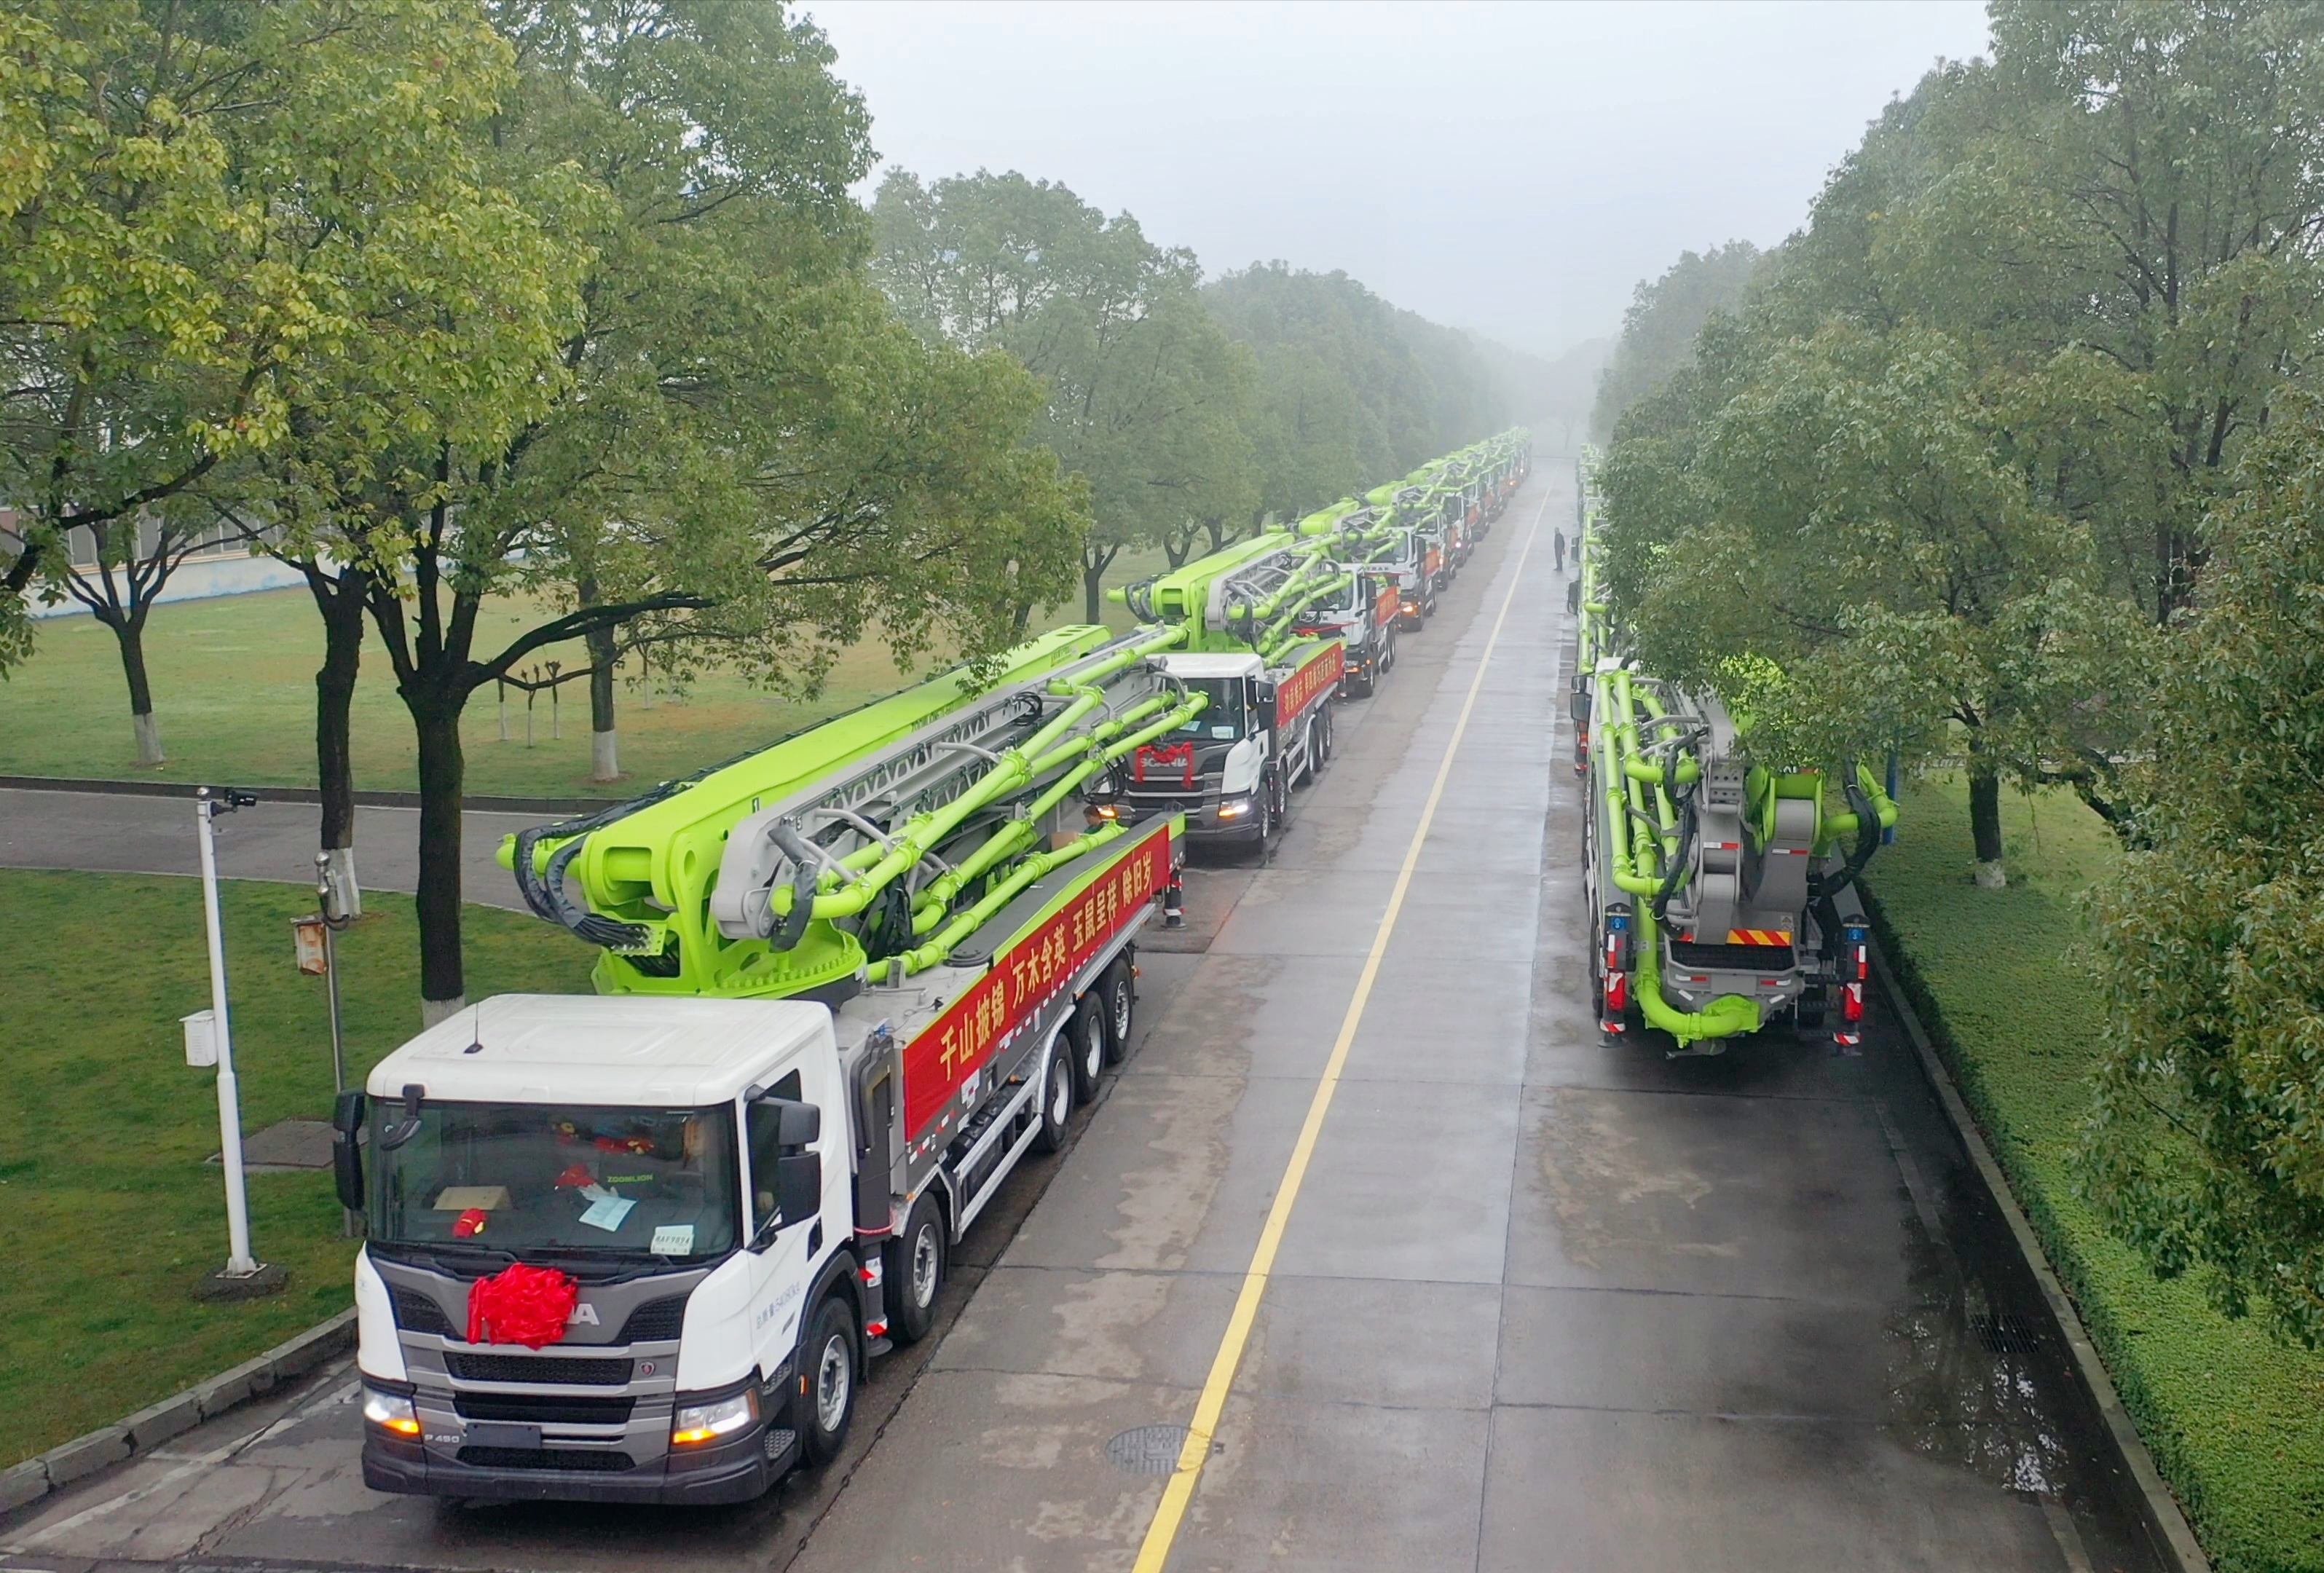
(1721, 886)
(642, 1246)
(639, 1248)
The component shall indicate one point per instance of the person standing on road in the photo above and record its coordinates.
(1557, 539)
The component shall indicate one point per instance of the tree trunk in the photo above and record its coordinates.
(443, 984)
(1984, 825)
(1093, 590)
(604, 756)
(341, 600)
(130, 632)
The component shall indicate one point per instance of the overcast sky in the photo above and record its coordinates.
(1512, 168)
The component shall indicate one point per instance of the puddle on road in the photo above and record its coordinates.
(1966, 1379)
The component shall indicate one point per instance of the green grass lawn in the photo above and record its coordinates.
(109, 1212)
(234, 688)
(2236, 1421)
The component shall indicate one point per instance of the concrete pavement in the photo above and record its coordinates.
(124, 834)
(1542, 1301)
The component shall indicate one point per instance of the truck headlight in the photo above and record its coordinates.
(696, 1423)
(1233, 807)
(391, 1412)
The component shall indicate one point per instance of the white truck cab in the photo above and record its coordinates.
(687, 1162)
(1230, 769)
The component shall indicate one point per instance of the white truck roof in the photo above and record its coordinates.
(1199, 666)
(598, 1049)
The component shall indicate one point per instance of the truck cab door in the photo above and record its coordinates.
(784, 1139)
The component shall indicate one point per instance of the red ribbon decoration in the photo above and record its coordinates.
(520, 1304)
(1180, 754)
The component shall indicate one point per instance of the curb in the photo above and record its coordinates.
(302, 794)
(156, 1423)
(2179, 1541)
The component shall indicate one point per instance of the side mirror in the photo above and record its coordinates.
(348, 1118)
(785, 1180)
(1578, 705)
(799, 1124)
(1263, 696)
(798, 1188)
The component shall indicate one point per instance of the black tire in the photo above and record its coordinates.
(917, 1262)
(1265, 831)
(1086, 1034)
(831, 1361)
(1118, 991)
(1053, 1104)
(1320, 742)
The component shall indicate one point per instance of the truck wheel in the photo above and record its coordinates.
(1056, 1097)
(916, 1271)
(1119, 991)
(1320, 740)
(1085, 1034)
(829, 1364)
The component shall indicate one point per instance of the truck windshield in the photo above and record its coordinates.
(1224, 718)
(556, 1177)
(1341, 599)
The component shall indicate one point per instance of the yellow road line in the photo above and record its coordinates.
(1171, 1510)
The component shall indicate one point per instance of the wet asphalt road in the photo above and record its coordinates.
(1544, 1302)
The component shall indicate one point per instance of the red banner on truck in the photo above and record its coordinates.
(955, 1046)
(1316, 673)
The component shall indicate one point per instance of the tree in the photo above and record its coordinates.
(1657, 338)
(1410, 389)
(1146, 398)
(1859, 566)
(739, 443)
(451, 304)
(181, 172)
(2106, 240)
(2207, 1148)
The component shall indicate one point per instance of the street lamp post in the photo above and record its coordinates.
(243, 1276)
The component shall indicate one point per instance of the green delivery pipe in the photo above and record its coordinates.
(929, 905)
(934, 953)
(1729, 1015)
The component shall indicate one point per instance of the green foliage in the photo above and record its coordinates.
(1657, 338)
(1146, 400)
(1352, 390)
(213, 208)
(1953, 453)
(2207, 1149)
(104, 1182)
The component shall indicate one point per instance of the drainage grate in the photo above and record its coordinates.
(2005, 1333)
(1148, 1449)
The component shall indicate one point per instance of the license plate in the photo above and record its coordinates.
(495, 1434)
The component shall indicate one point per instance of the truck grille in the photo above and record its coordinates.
(582, 1459)
(1731, 958)
(543, 1409)
(655, 1321)
(419, 1313)
(537, 1368)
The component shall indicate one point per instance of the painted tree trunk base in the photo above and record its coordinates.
(339, 869)
(149, 756)
(1992, 876)
(604, 757)
(432, 1011)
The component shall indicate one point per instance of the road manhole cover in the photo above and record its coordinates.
(1148, 1449)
